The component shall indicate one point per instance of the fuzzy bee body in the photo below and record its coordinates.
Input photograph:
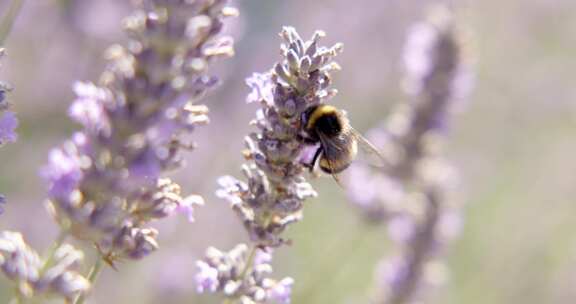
(334, 158)
(328, 126)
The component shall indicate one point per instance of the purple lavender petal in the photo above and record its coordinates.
(63, 173)
(206, 278)
(2, 203)
(8, 125)
(262, 88)
(187, 206)
(88, 108)
(282, 291)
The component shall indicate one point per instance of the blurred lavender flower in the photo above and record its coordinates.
(8, 123)
(56, 276)
(105, 183)
(8, 120)
(233, 274)
(2, 203)
(413, 195)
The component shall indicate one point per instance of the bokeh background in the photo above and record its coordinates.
(514, 143)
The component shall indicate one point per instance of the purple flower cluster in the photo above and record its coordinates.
(230, 273)
(105, 183)
(276, 189)
(8, 120)
(273, 196)
(413, 195)
(8, 123)
(34, 275)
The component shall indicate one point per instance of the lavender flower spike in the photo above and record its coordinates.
(276, 189)
(274, 194)
(416, 203)
(105, 183)
(57, 276)
(8, 120)
(8, 123)
(418, 265)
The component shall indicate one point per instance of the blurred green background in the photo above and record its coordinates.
(514, 144)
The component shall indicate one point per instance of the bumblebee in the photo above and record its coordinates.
(329, 126)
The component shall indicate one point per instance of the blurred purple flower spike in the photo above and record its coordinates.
(417, 210)
(8, 124)
(2, 203)
(8, 120)
(106, 184)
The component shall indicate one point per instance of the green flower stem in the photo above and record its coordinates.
(244, 272)
(92, 276)
(249, 262)
(49, 258)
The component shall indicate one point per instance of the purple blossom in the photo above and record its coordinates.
(88, 108)
(262, 88)
(263, 257)
(282, 291)
(392, 273)
(33, 275)
(401, 228)
(8, 125)
(188, 204)
(418, 56)
(2, 203)
(206, 278)
(63, 171)
(230, 188)
(242, 275)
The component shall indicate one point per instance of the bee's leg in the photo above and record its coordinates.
(312, 164)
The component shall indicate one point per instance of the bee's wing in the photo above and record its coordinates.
(327, 142)
(368, 152)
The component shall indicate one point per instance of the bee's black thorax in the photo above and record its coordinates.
(324, 119)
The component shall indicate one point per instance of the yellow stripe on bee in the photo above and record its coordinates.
(319, 112)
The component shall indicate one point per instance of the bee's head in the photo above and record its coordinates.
(324, 118)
